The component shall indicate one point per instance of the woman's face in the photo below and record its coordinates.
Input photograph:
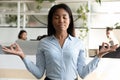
(61, 20)
(24, 36)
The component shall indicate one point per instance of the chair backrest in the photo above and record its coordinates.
(28, 47)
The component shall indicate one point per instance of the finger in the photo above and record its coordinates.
(106, 44)
(102, 45)
(114, 47)
(13, 46)
(17, 45)
(4, 48)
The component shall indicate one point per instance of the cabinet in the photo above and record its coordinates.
(24, 14)
(8, 14)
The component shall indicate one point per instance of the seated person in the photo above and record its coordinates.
(112, 41)
(22, 35)
(111, 37)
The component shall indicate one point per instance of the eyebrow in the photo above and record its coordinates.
(58, 15)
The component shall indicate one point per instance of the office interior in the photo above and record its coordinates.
(31, 16)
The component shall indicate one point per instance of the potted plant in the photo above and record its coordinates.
(82, 12)
(117, 25)
(11, 19)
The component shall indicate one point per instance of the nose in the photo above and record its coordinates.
(61, 19)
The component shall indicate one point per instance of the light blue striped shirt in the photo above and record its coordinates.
(61, 63)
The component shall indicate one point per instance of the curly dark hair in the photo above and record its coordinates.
(20, 33)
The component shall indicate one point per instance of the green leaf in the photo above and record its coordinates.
(99, 1)
(51, 0)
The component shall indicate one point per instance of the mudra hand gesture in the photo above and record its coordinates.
(14, 49)
(105, 49)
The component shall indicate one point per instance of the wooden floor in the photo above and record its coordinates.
(16, 74)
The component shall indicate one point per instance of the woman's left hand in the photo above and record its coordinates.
(105, 49)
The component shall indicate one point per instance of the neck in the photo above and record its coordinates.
(61, 35)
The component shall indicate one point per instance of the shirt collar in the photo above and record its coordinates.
(69, 37)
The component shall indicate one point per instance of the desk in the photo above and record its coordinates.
(92, 52)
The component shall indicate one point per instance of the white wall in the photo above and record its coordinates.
(97, 36)
(8, 35)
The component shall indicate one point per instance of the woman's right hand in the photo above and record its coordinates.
(14, 49)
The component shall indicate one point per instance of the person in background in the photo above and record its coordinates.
(112, 40)
(111, 37)
(22, 35)
(60, 55)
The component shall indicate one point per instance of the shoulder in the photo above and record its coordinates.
(76, 39)
(77, 42)
(45, 40)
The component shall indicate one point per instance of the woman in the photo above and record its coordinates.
(60, 54)
(22, 35)
(111, 37)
